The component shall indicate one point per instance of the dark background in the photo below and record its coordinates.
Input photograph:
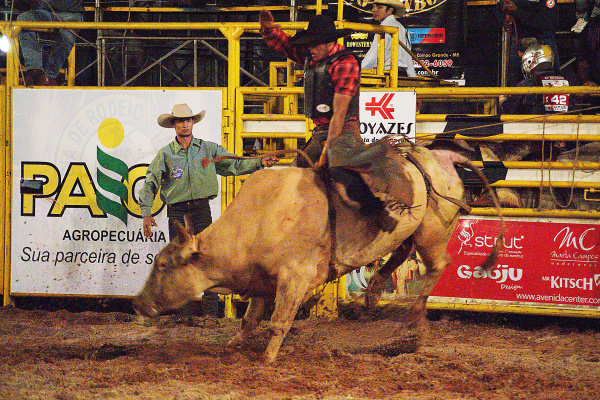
(477, 36)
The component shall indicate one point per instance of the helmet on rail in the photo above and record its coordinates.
(535, 56)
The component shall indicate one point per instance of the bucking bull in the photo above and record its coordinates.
(285, 233)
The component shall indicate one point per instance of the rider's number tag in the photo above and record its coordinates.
(555, 102)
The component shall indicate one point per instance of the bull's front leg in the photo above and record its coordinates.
(254, 314)
(291, 288)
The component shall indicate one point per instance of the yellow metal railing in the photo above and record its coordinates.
(318, 8)
(7, 191)
(535, 128)
(289, 126)
(4, 277)
(231, 31)
(231, 124)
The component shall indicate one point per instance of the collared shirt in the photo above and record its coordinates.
(344, 72)
(404, 59)
(179, 174)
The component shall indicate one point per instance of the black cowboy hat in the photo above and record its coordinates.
(321, 29)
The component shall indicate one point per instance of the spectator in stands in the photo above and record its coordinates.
(47, 10)
(583, 13)
(537, 66)
(588, 63)
(532, 20)
(384, 12)
(588, 71)
(588, 54)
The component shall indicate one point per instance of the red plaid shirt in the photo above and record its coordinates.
(344, 72)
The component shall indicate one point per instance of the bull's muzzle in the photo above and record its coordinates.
(145, 307)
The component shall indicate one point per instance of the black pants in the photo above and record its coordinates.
(197, 210)
(199, 213)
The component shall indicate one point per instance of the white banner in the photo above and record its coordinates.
(65, 241)
(387, 113)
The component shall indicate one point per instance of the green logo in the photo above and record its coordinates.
(111, 134)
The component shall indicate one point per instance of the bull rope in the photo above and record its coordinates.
(542, 165)
(575, 164)
(429, 185)
(491, 258)
(277, 153)
(498, 244)
(431, 136)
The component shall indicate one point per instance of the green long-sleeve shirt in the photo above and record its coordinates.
(179, 174)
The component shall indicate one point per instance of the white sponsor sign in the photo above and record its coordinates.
(387, 113)
(91, 149)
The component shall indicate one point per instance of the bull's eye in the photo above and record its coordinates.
(161, 266)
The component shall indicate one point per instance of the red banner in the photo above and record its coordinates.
(541, 262)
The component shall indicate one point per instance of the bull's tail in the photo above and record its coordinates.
(277, 153)
(490, 261)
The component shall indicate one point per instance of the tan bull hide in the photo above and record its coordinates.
(279, 239)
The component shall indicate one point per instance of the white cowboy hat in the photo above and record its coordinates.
(179, 111)
(399, 7)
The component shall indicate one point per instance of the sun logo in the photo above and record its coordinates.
(109, 169)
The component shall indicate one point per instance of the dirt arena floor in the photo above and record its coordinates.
(76, 354)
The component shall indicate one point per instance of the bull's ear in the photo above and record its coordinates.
(182, 232)
(189, 226)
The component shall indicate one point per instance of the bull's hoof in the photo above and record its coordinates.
(268, 359)
(373, 292)
(145, 321)
(372, 300)
(209, 322)
(234, 343)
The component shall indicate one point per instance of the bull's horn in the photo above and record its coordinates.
(182, 232)
(189, 226)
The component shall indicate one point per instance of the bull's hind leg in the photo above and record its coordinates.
(431, 242)
(436, 260)
(377, 281)
(409, 337)
(257, 307)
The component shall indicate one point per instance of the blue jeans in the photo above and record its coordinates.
(61, 48)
